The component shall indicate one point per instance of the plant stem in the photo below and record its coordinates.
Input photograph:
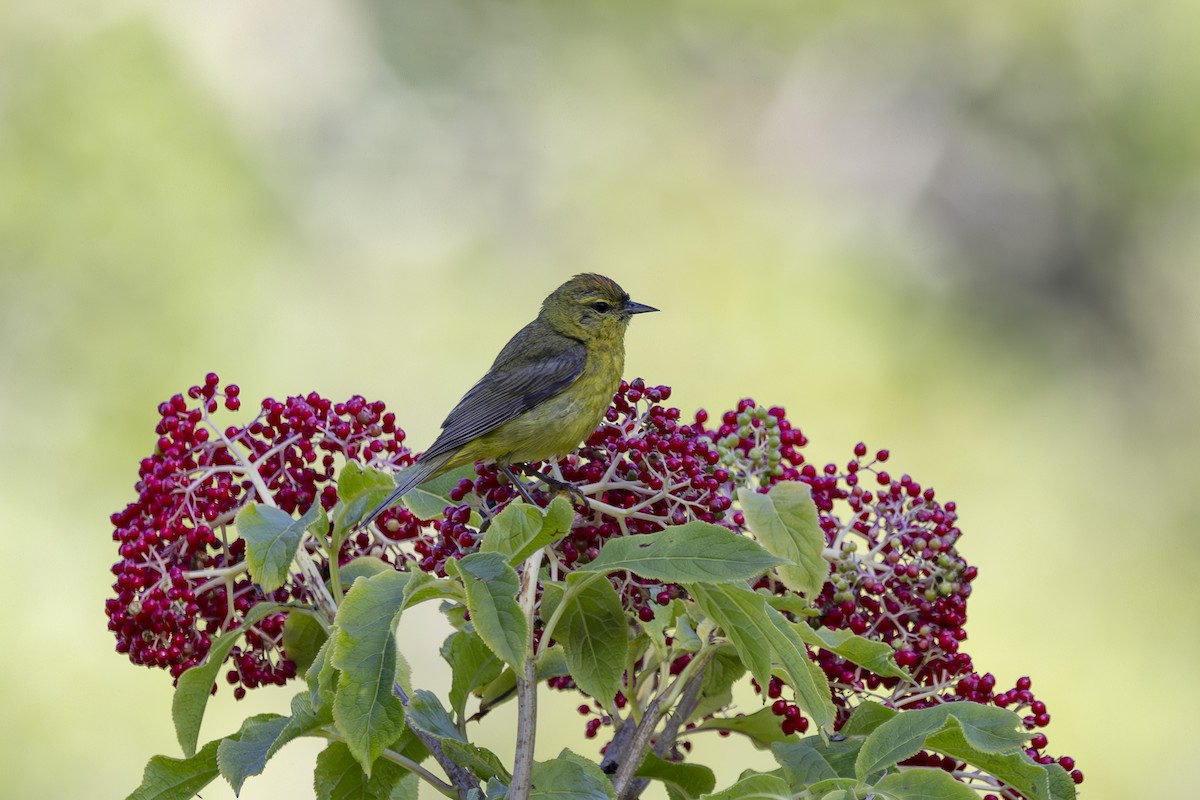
(632, 754)
(464, 781)
(412, 766)
(522, 779)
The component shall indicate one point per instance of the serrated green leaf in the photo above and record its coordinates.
(594, 634)
(866, 717)
(246, 754)
(835, 789)
(366, 711)
(195, 685)
(424, 586)
(495, 790)
(360, 489)
(430, 499)
(924, 783)
(802, 764)
(177, 778)
(473, 665)
(321, 678)
(552, 595)
(762, 727)
(1062, 787)
(491, 587)
(690, 553)
(878, 657)
(482, 763)
(271, 537)
(1013, 767)
(362, 567)
(986, 728)
(761, 635)
(690, 780)
(340, 777)
(754, 787)
(793, 604)
(303, 637)
(570, 777)
(785, 521)
(839, 754)
(425, 713)
(304, 720)
(521, 529)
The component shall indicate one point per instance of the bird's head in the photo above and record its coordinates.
(591, 307)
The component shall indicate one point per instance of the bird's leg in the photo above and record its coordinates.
(555, 484)
(518, 483)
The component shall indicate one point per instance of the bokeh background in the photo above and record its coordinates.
(967, 232)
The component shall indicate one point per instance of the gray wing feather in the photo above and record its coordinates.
(506, 392)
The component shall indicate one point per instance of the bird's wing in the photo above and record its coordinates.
(508, 391)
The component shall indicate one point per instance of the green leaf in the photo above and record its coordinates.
(570, 777)
(482, 763)
(1062, 787)
(430, 499)
(246, 754)
(303, 637)
(840, 754)
(491, 586)
(340, 777)
(195, 685)
(754, 787)
(835, 789)
(1013, 767)
(367, 713)
(695, 552)
(761, 635)
(321, 678)
(360, 489)
(761, 727)
(177, 778)
(472, 665)
(877, 657)
(271, 537)
(425, 712)
(785, 522)
(424, 586)
(594, 634)
(521, 529)
(985, 728)
(865, 718)
(362, 567)
(924, 783)
(803, 765)
(690, 780)
(304, 720)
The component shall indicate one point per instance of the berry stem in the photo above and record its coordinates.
(312, 574)
(522, 779)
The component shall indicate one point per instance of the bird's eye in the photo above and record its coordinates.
(601, 306)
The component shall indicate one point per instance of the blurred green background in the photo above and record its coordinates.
(967, 232)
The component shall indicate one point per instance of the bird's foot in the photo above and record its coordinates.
(556, 485)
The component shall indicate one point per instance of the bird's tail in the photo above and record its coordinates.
(406, 481)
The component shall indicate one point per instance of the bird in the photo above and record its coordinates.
(547, 390)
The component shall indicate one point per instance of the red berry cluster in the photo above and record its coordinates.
(896, 577)
(182, 578)
(896, 574)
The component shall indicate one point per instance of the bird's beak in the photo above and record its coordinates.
(637, 308)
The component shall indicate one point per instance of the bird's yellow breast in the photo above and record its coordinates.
(558, 424)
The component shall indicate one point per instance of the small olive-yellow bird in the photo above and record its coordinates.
(547, 390)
